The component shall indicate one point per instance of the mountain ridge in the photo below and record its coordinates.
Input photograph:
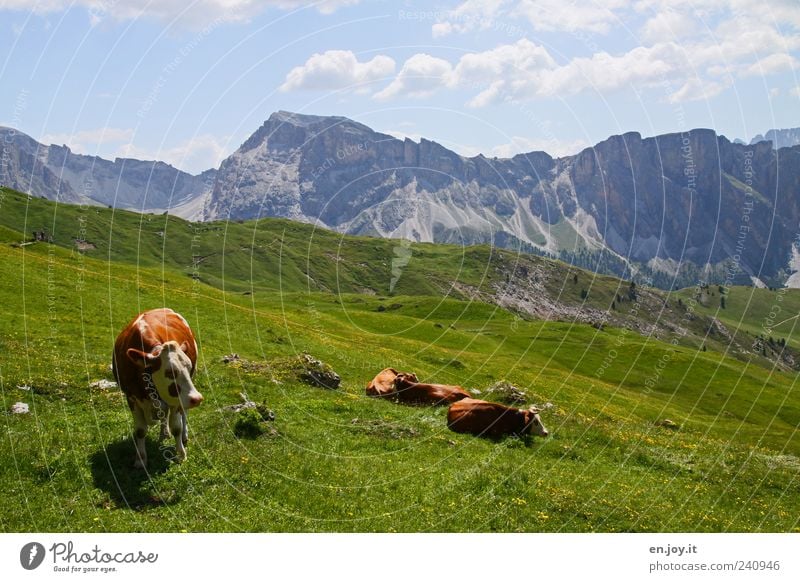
(57, 173)
(672, 207)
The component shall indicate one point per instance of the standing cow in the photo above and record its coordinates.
(154, 361)
(491, 419)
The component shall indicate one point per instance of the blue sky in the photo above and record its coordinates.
(187, 82)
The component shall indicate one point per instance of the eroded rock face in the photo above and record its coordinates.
(57, 173)
(690, 197)
(674, 197)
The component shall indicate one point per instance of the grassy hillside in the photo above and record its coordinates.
(279, 255)
(339, 460)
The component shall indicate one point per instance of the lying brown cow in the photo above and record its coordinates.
(490, 419)
(409, 390)
(383, 383)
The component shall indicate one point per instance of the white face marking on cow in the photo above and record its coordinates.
(537, 427)
(173, 378)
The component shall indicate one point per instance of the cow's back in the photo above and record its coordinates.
(146, 331)
(430, 393)
(488, 418)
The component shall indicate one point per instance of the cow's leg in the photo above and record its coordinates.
(139, 432)
(185, 434)
(163, 415)
(176, 427)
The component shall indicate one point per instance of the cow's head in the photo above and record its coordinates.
(403, 379)
(170, 372)
(534, 422)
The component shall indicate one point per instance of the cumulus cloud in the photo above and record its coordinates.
(194, 155)
(337, 69)
(697, 89)
(690, 49)
(523, 145)
(89, 140)
(470, 15)
(193, 13)
(596, 16)
(668, 25)
(544, 15)
(770, 65)
(420, 76)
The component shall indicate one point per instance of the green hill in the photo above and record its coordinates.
(340, 461)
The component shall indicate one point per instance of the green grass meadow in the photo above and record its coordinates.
(338, 460)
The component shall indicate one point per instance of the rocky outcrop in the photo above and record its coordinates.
(663, 201)
(57, 173)
(692, 203)
(780, 138)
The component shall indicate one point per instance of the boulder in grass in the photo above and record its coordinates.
(103, 384)
(667, 423)
(314, 372)
(20, 408)
(505, 392)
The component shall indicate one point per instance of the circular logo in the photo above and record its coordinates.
(31, 555)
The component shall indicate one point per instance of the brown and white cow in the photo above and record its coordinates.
(154, 361)
(382, 385)
(491, 419)
(409, 390)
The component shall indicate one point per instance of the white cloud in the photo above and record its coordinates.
(596, 16)
(89, 140)
(197, 13)
(554, 147)
(696, 89)
(194, 155)
(523, 56)
(420, 76)
(668, 25)
(695, 49)
(603, 72)
(471, 15)
(775, 63)
(337, 69)
(795, 91)
(544, 15)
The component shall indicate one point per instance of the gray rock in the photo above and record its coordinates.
(318, 373)
(103, 384)
(20, 408)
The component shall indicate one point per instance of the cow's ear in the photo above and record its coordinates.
(140, 358)
(185, 347)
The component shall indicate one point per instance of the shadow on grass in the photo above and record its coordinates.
(113, 472)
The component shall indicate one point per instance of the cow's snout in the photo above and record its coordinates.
(545, 433)
(195, 399)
